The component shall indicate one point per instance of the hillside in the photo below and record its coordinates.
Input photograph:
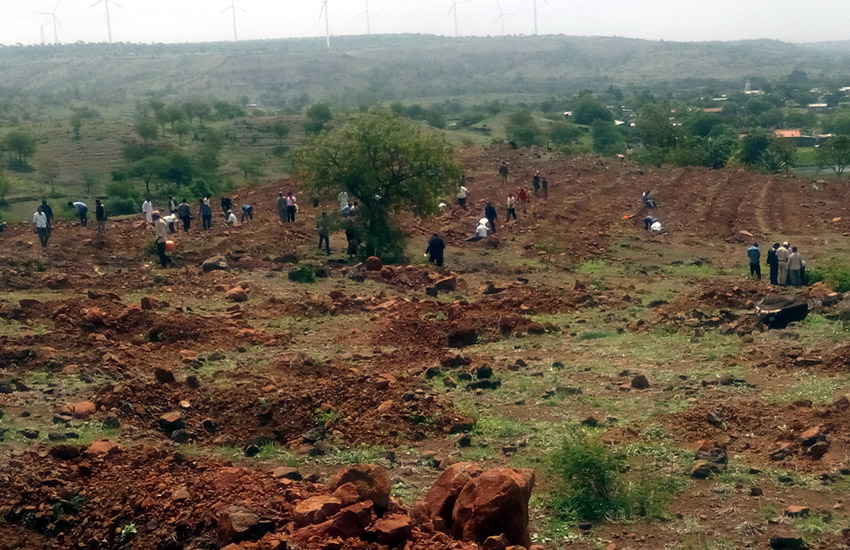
(367, 69)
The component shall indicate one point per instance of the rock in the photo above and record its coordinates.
(431, 291)
(102, 447)
(29, 433)
(372, 483)
(111, 423)
(316, 510)
(285, 472)
(448, 284)
(64, 452)
(373, 263)
(151, 303)
(796, 511)
(640, 382)
(778, 311)
(193, 382)
(180, 436)
(348, 523)
(392, 530)
(498, 542)
(590, 422)
(704, 470)
(714, 418)
(81, 410)
(347, 493)
(171, 421)
(449, 382)
(756, 492)
(787, 543)
(781, 452)
(216, 263)
(484, 385)
(163, 376)
(94, 316)
(484, 371)
(238, 523)
(493, 503)
(236, 294)
(439, 501)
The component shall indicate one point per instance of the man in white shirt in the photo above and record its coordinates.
(39, 220)
(161, 231)
(230, 219)
(147, 209)
(462, 194)
(782, 255)
(481, 232)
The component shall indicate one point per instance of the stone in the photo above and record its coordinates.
(796, 511)
(497, 542)
(372, 483)
(440, 499)
(778, 311)
(285, 472)
(447, 284)
(392, 530)
(238, 523)
(703, 469)
(493, 503)
(484, 371)
(640, 382)
(180, 436)
(348, 523)
(94, 316)
(111, 423)
(787, 543)
(756, 492)
(163, 376)
(373, 263)
(64, 452)
(81, 410)
(151, 303)
(102, 447)
(236, 294)
(347, 493)
(216, 263)
(316, 510)
(171, 421)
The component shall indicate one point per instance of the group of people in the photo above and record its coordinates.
(182, 212)
(42, 218)
(787, 266)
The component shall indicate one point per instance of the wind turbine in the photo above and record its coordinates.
(501, 18)
(327, 23)
(368, 13)
(535, 16)
(232, 9)
(56, 23)
(454, 9)
(108, 21)
(41, 27)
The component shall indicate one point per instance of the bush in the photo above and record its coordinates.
(122, 207)
(835, 275)
(592, 486)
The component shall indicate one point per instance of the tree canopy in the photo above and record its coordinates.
(388, 166)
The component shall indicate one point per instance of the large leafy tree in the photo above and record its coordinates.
(22, 144)
(835, 153)
(389, 166)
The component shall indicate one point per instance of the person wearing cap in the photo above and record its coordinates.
(782, 254)
(161, 232)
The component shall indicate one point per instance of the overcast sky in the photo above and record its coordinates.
(201, 20)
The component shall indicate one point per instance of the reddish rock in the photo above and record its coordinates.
(102, 447)
(494, 503)
(373, 264)
(236, 294)
(285, 472)
(498, 542)
(237, 523)
(150, 303)
(28, 303)
(163, 376)
(94, 316)
(349, 522)
(640, 382)
(797, 511)
(347, 493)
(447, 284)
(81, 410)
(372, 483)
(440, 499)
(393, 530)
(171, 421)
(316, 509)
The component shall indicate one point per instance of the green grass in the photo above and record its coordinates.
(813, 387)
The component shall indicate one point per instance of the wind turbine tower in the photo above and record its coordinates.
(232, 9)
(501, 18)
(368, 15)
(55, 19)
(41, 28)
(535, 16)
(454, 9)
(108, 20)
(327, 22)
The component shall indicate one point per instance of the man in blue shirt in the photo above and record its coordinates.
(755, 257)
(82, 212)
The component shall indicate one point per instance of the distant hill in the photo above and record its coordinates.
(361, 69)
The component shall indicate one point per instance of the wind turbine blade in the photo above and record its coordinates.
(57, 6)
(225, 10)
(322, 11)
(117, 4)
(454, 4)
(96, 3)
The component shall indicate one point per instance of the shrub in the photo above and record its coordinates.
(835, 275)
(592, 486)
(122, 207)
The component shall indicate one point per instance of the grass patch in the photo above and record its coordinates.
(596, 334)
(813, 388)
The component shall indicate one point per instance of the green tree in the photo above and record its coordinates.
(161, 117)
(655, 126)
(76, 125)
(522, 129)
(753, 147)
(22, 144)
(386, 164)
(564, 133)
(147, 129)
(251, 166)
(835, 154)
(281, 130)
(701, 124)
(149, 169)
(181, 128)
(607, 140)
(48, 169)
(175, 114)
(780, 155)
(838, 123)
(588, 108)
(317, 116)
(5, 186)
(90, 180)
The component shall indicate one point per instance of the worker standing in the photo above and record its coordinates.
(754, 254)
(161, 232)
(39, 220)
(782, 254)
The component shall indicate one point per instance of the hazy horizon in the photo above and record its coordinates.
(180, 21)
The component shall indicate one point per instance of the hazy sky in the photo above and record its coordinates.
(201, 20)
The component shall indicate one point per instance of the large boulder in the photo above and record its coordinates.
(494, 503)
(349, 522)
(216, 263)
(439, 502)
(777, 311)
(373, 263)
(316, 509)
(238, 523)
(372, 483)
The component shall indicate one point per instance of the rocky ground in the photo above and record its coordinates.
(225, 403)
